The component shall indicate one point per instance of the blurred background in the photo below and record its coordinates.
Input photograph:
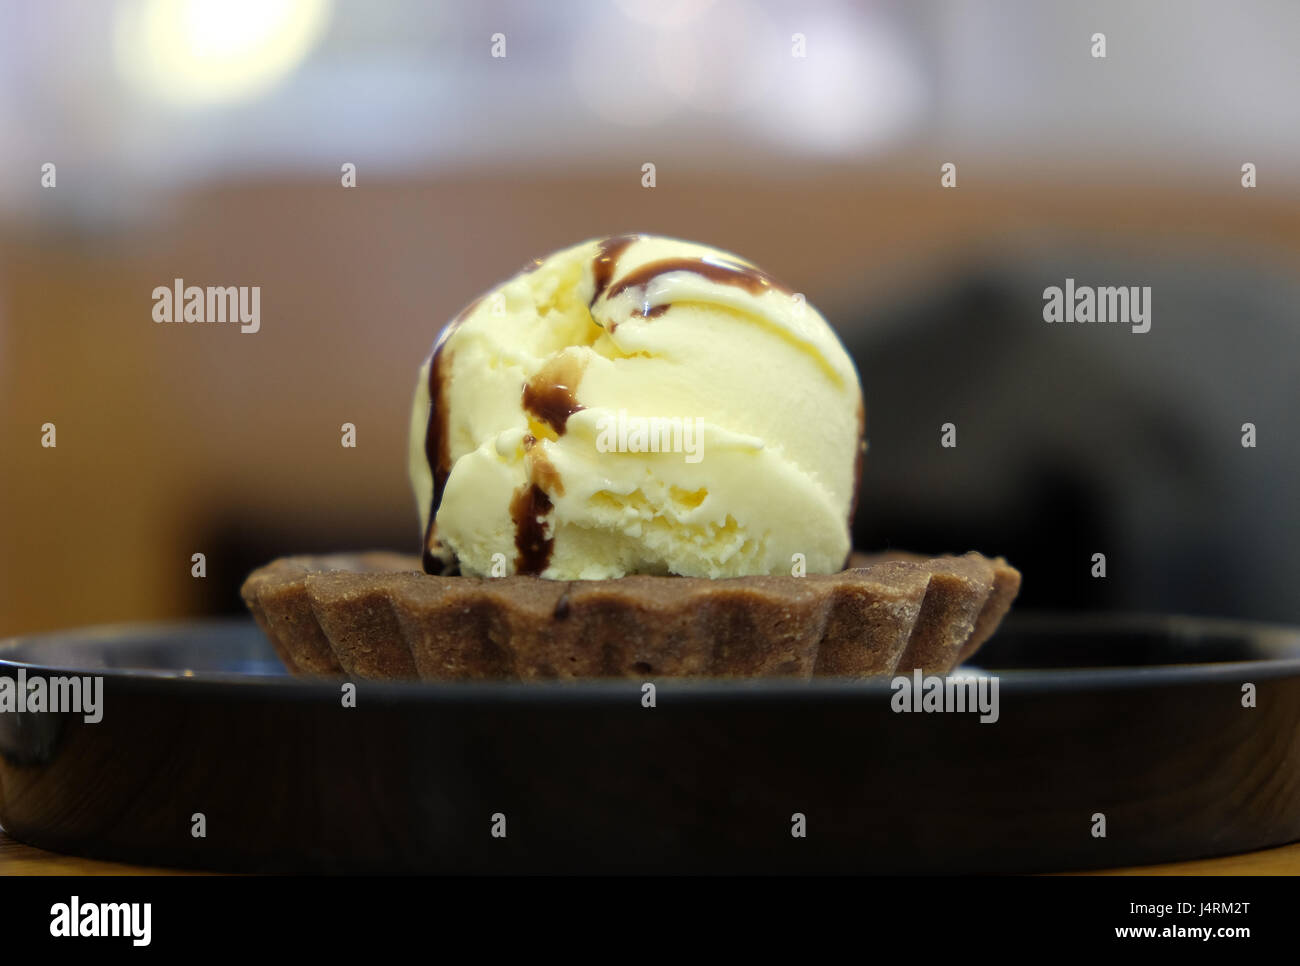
(204, 140)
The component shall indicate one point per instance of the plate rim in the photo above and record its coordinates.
(1031, 680)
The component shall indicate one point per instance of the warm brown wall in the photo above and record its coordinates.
(163, 430)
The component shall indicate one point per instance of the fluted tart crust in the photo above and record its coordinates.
(379, 616)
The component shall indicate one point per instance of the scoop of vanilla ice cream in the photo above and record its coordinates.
(637, 405)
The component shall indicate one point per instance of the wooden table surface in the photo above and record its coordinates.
(19, 859)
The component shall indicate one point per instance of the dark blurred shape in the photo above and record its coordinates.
(1075, 439)
(241, 543)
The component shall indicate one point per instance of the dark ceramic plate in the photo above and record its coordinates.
(1138, 719)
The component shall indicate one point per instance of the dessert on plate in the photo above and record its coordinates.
(638, 456)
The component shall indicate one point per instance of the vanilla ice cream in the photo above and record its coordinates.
(637, 405)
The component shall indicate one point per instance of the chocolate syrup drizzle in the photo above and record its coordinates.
(721, 270)
(550, 397)
(606, 260)
(753, 280)
(528, 508)
(436, 446)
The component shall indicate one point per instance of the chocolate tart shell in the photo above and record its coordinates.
(377, 615)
